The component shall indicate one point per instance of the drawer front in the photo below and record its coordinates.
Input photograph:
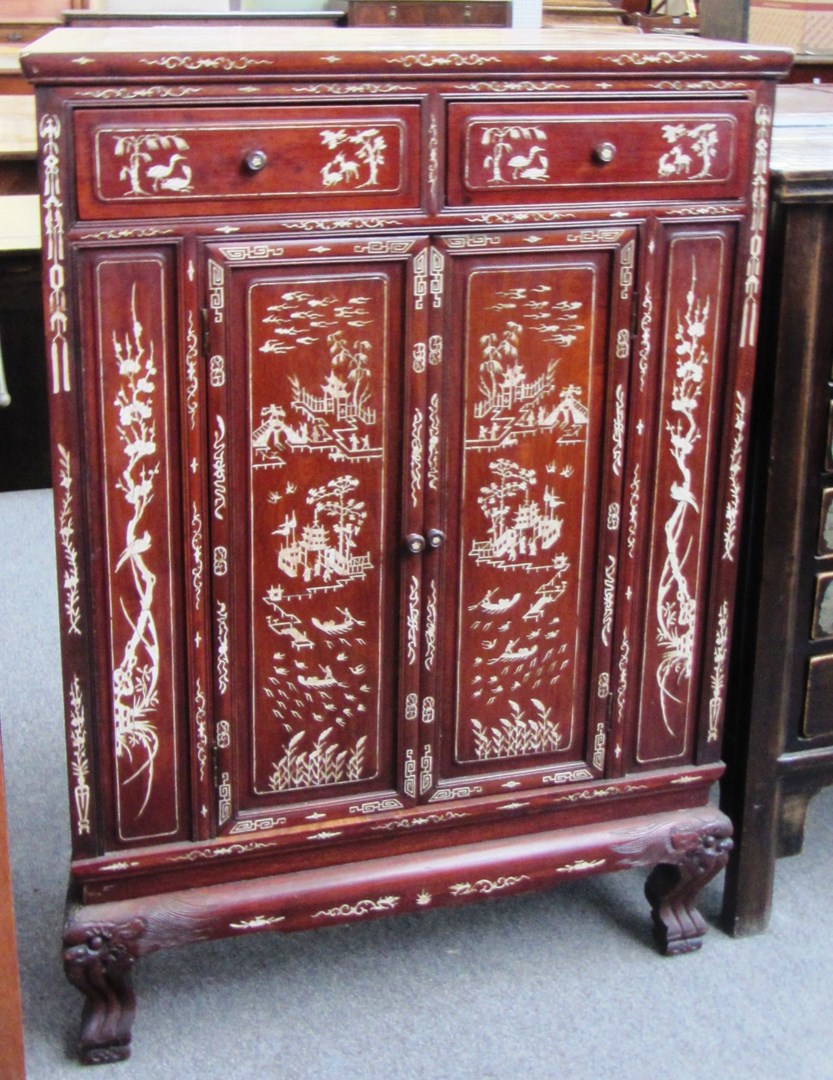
(610, 150)
(825, 545)
(420, 13)
(823, 609)
(146, 162)
(818, 716)
(19, 33)
(828, 445)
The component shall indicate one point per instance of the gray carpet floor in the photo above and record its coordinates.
(564, 984)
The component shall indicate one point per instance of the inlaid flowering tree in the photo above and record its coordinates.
(136, 675)
(675, 597)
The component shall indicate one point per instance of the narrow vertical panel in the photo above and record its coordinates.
(825, 543)
(694, 309)
(132, 318)
(318, 371)
(828, 445)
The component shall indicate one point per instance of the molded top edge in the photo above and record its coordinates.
(187, 53)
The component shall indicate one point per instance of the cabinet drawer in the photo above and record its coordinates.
(613, 150)
(823, 611)
(422, 13)
(144, 162)
(818, 716)
(825, 545)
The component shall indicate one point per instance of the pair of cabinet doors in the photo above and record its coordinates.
(399, 520)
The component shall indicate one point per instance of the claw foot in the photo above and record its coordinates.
(98, 960)
(672, 888)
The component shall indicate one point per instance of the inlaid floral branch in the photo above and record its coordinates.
(675, 600)
(66, 532)
(135, 678)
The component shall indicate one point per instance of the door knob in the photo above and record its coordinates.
(604, 152)
(415, 543)
(435, 538)
(255, 160)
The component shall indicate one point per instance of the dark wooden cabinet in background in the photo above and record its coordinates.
(400, 396)
(779, 744)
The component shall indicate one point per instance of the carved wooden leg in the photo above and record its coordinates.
(98, 959)
(672, 887)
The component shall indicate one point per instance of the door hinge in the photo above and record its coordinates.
(206, 333)
(215, 765)
(609, 713)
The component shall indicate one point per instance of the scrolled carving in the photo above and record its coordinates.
(98, 960)
(687, 857)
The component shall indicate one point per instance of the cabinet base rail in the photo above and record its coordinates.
(685, 849)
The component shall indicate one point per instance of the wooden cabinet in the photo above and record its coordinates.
(780, 742)
(400, 401)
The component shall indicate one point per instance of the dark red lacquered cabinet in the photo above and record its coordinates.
(400, 398)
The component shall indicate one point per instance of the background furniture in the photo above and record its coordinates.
(779, 744)
(24, 419)
(598, 12)
(332, 16)
(22, 21)
(18, 145)
(24, 416)
(727, 19)
(429, 12)
(399, 404)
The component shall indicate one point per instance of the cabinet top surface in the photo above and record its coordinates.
(802, 138)
(205, 52)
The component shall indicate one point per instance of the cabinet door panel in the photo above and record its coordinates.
(532, 508)
(698, 276)
(132, 396)
(307, 607)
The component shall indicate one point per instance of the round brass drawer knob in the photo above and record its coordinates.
(604, 153)
(255, 160)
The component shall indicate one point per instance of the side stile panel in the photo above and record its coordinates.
(735, 427)
(615, 596)
(637, 465)
(226, 681)
(418, 586)
(196, 509)
(428, 368)
(68, 473)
